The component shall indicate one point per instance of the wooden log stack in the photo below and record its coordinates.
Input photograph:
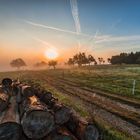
(33, 113)
(37, 121)
(10, 128)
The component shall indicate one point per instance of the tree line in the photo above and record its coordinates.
(19, 62)
(125, 58)
(82, 59)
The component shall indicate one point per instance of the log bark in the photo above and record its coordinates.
(60, 134)
(37, 121)
(10, 129)
(4, 100)
(82, 129)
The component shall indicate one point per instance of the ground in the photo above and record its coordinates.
(102, 93)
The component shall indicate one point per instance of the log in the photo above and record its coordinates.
(60, 134)
(10, 129)
(7, 86)
(37, 121)
(4, 100)
(24, 137)
(7, 82)
(82, 129)
(61, 113)
(38, 92)
(27, 91)
(45, 96)
(48, 98)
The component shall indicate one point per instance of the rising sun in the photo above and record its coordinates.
(51, 53)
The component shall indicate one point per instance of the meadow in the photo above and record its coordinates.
(110, 80)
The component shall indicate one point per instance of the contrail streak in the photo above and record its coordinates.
(53, 28)
(43, 42)
(97, 39)
(75, 14)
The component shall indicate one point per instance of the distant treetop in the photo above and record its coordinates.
(19, 62)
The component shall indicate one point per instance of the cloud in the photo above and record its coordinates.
(75, 14)
(108, 38)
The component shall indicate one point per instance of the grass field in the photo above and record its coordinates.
(112, 79)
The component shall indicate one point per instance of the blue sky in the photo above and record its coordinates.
(100, 26)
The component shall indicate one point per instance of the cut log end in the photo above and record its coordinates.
(10, 131)
(91, 132)
(7, 82)
(37, 124)
(4, 101)
(62, 115)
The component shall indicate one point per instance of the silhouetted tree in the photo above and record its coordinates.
(95, 62)
(18, 63)
(101, 60)
(90, 59)
(52, 63)
(109, 60)
(138, 60)
(81, 59)
(126, 58)
(70, 61)
(41, 64)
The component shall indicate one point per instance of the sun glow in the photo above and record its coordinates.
(51, 53)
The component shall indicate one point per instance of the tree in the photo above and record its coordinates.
(90, 59)
(18, 63)
(40, 64)
(126, 58)
(101, 60)
(109, 60)
(80, 59)
(70, 61)
(138, 60)
(52, 63)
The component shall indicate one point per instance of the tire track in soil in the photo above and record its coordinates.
(112, 118)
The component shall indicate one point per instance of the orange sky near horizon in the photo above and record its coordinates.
(35, 54)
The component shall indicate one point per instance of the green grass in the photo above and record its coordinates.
(113, 79)
(109, 133)
(116, 80)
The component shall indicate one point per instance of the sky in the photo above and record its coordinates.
(99, 27)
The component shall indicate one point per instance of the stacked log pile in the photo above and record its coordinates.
(29, 112)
